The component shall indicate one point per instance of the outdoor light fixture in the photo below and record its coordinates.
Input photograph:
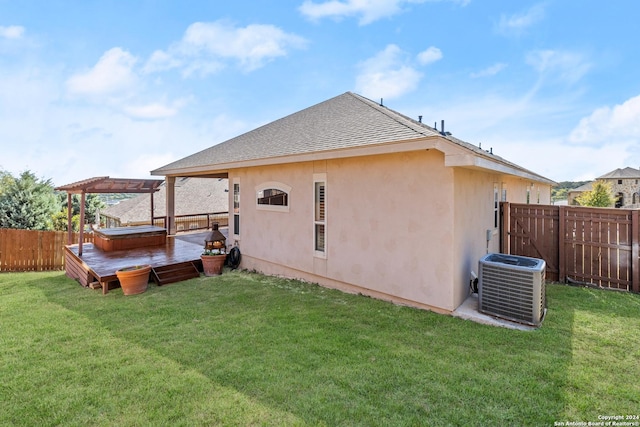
(215, 239)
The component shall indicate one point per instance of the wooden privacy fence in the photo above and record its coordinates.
(596, 246)
(32, 250)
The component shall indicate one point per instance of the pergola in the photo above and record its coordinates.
(104, 184)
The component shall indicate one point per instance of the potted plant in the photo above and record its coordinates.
(135, 279)
(213, 261)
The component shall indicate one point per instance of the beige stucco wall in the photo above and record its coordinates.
(402, 226)
(476, 233)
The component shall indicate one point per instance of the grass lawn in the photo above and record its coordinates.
(244, 349)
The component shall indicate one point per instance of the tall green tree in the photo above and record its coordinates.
(600, 195)
(27, 202)
(92, 204)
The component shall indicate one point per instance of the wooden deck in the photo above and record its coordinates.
(99, 266)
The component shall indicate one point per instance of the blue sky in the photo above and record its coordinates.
(118, 88)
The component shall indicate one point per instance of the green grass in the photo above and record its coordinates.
(244, 349)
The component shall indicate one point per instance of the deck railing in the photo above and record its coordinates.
(195, 222)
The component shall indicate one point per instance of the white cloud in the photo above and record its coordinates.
(518, 23)
(568, 67)
(368, 10)
(206, 46)
(489, 71)
(11, 32)
(537, 133)
(112, 73)
(607, 125)
(386, 75)
(432, 54)
(161, 61)
(151, 111)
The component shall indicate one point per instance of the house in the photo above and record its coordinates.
(575, 192)
(625, 186)
(352, 195)
(192, 196)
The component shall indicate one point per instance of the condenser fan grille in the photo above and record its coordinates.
(512, 291)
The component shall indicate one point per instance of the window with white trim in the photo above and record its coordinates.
(236, 207)
(496, 205)
(319, 214)
(273, 196)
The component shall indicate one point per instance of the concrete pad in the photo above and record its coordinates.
(468, 310)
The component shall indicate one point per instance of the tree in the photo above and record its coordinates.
(5, 180)
(61, 221)
(92, 204)
(27, 202)
(599, 196)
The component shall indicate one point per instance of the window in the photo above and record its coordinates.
(273, 196)
(236, 207)
(620, 182)
(319, 214)
(495, 205)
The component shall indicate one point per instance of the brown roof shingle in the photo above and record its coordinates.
(345, 121)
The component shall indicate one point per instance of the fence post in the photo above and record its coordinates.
(562, 267)
(635, 252)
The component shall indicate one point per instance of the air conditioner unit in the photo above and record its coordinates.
(512, 287)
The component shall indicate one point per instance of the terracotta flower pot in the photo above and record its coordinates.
(134, 280)
(212, 264)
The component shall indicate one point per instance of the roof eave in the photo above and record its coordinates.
(455, 156)
(471, 160)
(425, 143)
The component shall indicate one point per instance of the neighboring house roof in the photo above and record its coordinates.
(584, 187)
(328, 129)
(627, 172)
(193, 196)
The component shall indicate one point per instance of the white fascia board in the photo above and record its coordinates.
(367, 150)
(470, 160)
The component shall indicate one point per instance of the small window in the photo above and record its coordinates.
(319, 215)
(620, 182)
(236, 208)
(496, 205)
(273, 196)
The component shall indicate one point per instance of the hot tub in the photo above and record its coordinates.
(122, 238)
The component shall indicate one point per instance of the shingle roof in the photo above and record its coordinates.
(584, 187)
(193, 196)
(621, 173)
(345, 121)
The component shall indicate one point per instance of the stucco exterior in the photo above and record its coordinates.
(401, 226)
(408, 210)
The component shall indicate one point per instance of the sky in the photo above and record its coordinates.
(119, 88)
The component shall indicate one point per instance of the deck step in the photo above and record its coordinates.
(174, 273)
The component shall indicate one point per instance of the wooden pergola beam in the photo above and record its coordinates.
(103, 185)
